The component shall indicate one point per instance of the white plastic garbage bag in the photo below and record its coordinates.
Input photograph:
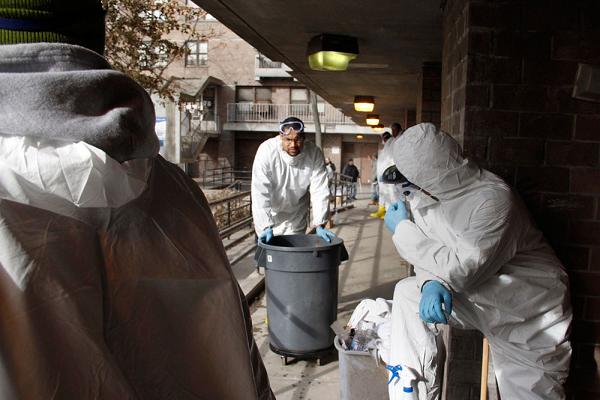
(375, 316)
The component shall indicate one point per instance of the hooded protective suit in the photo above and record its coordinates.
(479, 241)
(283, 186)
(113, 281)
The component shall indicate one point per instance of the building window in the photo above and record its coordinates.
(263, 95)
(298, 96)
(254, 94)
(301, 96)
(197, 53)
(153, 56)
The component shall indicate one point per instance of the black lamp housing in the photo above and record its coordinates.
(332, 42)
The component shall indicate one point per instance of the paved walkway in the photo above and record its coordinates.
(372, 271)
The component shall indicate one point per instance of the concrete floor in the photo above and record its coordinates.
(372, 271)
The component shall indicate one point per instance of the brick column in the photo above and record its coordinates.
(410, 117)
(508, 74)
(429, 94)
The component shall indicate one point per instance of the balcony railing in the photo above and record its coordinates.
(266, 62)
(262, 112)
(267, 68)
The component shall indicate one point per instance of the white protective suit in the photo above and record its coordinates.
(479, 241)
(113, 280)
(282, 186)
(388, 193)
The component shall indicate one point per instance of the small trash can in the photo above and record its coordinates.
(302, 292)
(360, 376)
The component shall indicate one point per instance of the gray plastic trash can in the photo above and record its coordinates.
(302, 290)
(360, 376)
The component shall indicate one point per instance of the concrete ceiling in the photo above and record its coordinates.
(395, 38)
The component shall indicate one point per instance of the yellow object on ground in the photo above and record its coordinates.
(380, 213)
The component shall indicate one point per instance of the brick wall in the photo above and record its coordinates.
(463, 364)
(410, 118)
(429, 94)
(514, 113)
(454, 67)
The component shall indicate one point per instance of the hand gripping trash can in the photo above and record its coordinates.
(302, 290)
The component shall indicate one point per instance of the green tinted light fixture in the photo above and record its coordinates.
(328, 52)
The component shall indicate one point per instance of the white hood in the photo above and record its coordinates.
(73, 133)
(432, 160)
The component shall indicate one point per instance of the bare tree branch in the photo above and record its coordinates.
(139, 38)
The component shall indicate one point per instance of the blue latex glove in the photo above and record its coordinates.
(433, 295)
(325, 234)
(266, 235)
(394, 214)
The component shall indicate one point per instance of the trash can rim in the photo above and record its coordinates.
(336, 241)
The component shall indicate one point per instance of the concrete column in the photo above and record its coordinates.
(172, 138)
(316, 120)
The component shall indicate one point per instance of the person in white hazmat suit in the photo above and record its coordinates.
(113, 279)
(480, 263)
(288, 175)
(386, 190)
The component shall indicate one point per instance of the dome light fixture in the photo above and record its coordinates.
(328, 52)
(359, 137)
(364, 103)
(378, 128)
(372, 119)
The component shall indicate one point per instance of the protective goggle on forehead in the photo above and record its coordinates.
(286, 127)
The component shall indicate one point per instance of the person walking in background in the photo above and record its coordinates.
(351, 171)
(386, 191)
(329, 164)
(396, 129)
(330, 168)
(374, 182)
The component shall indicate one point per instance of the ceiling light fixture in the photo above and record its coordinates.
(359, 137)
(327, 52)
(364, 103)
(372, 119)
(378, 128)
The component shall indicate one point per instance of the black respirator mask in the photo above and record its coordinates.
(392, 176)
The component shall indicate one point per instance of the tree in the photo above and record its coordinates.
(140, 40)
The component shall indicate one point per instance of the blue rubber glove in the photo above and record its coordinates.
(266, 235)
(325, 234)
(433, 295)
(394, 214)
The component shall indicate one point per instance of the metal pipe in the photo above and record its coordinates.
(316, 120)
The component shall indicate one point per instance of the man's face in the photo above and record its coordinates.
(395, 131)
(350, 162)
(293, 142)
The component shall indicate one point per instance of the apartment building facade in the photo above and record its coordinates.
(230, 98)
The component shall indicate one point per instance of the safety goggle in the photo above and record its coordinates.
(286, 127)
(392, 175)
